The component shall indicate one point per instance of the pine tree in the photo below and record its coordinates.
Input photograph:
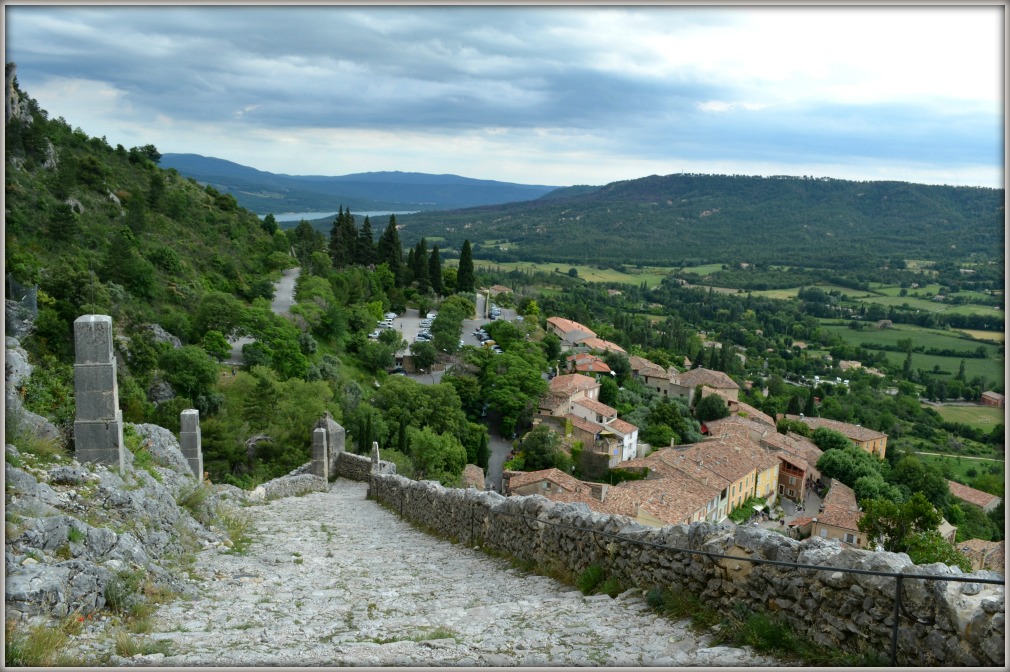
(464, 276)
(64, 226)
(435, 270)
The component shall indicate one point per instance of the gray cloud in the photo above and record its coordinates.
(446, 70)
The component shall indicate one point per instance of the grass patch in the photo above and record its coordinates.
(193, 500)
(127, 646)
(44, 450)
(75, 535)
(142, 457)
(239, 528)
(39, 645)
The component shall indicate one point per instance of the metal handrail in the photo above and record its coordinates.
(898, 576)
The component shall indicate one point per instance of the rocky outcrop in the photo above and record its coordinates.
(15, 106)
(161, 336)
(17, 371)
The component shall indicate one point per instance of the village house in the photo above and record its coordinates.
(683, 385)
(984, 554)
(676, 472)
(587, 364)
(569, 331)
(544, 482)
(981, 499)
(670, 500)
(995, 399)
(597, 344)
(739, 408)
(840, 517)
(575, 398)
(747, 469)
(499, 289)
(870, 440)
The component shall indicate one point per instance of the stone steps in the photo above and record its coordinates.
(335, 579)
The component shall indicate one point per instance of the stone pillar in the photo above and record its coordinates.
(190, 441)
(320, 465)
(335, 436)
(375, 457)
(98, 425)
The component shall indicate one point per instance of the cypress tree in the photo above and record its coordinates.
(435, 270)
(390, 250)
(464, 276)
(810, 410)
(366, 244)
(338, 242)
(420, 265)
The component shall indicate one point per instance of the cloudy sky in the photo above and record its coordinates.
(536, 95)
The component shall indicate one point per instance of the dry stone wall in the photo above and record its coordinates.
(946, 622)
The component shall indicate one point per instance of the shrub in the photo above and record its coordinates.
(591, 577)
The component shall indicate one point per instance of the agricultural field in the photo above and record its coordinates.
(980, 417)
(650, 275)
(991, 367)
(706, 269)
(979, 334)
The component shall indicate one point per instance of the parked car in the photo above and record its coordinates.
(397, 371)
(432, 315)
(425, 323)
(421, 338)
(374, 334)
(390, 316)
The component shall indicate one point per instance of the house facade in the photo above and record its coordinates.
(870, 440)
(994, 399)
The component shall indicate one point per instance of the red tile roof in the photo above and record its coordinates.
(853, 432)
(571, 383)
(971, 495)
(594, 343)
(717, 380)
(583, 424)
(596, 407)
(984, 554)
(622, 426)
(566, 326)
(840, 508)
(556, 476)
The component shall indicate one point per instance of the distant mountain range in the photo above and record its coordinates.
(684, 219)
(264, 192)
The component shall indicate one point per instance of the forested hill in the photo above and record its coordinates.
(264, 192)
(685, 219)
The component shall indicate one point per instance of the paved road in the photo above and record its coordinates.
(334, 579)
(284, 298)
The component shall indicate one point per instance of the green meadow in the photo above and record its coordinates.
(650, 275)
(980, 417)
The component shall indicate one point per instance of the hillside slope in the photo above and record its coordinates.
(685, 219)
(264, 192)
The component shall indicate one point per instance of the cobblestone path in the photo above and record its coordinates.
(335, 579)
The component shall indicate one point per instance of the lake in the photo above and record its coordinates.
(298, 216)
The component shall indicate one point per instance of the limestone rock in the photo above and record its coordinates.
(162, 336)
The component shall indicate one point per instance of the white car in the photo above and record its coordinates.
(390, 316)
(374, 334)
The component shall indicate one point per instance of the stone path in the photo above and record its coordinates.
(335, 579)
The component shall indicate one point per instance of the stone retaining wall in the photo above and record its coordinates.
(964, 622)
(359, 467)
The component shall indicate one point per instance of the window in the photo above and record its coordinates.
(824, 533)
(850, 538)
(792, 480)
(792, 493)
